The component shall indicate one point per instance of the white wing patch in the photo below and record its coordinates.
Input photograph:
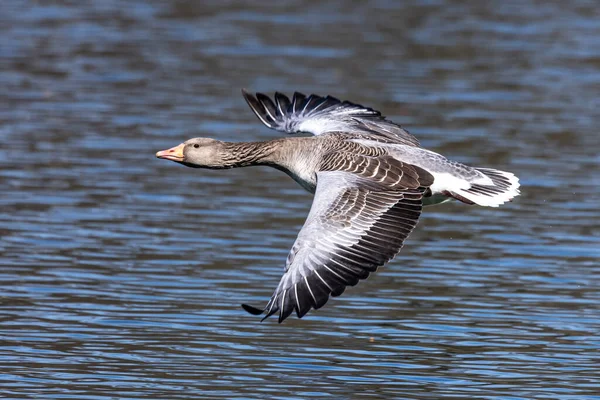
(319, 126)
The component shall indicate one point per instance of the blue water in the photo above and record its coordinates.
(122, 275)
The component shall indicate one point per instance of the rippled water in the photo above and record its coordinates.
(122, 275)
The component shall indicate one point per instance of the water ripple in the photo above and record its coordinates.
(123, 275)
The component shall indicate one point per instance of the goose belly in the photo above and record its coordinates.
(305, 179)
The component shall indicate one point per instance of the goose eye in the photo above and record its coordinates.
(196, 145)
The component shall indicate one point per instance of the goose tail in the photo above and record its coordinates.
(497, 188)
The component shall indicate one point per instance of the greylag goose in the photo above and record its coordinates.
(370, 180)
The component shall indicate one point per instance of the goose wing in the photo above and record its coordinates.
(362, 212)
(319, 115)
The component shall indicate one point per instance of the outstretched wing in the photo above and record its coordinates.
(358, 221)
(319, 115)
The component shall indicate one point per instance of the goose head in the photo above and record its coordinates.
(197, 153)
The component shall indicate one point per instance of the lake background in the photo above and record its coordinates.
(121, 276)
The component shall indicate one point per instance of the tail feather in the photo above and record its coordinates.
(504, 187)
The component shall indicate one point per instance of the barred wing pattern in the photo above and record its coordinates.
(319, 115)
(354, 226)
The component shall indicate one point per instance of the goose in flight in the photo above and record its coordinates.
(370, 180)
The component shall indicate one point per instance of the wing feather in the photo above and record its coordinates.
(283, 103)
(320, 115)
(355, 225)
(268, 106)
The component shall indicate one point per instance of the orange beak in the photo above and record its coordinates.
(173, 154)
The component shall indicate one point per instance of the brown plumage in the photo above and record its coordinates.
(370, 179)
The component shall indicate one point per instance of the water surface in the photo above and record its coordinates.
(122, 275)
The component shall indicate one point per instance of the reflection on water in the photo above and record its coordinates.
(122, 275)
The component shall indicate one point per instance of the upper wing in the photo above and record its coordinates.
(356, 224)
(318, 115)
